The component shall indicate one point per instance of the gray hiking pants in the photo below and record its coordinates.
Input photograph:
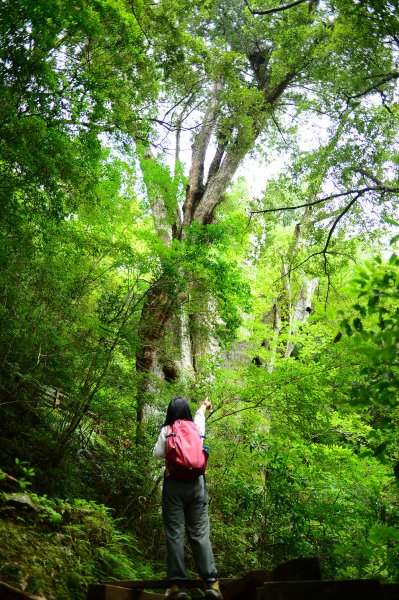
(185, 508)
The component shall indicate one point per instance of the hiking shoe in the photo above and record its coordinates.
(212, 591)
(176, 593)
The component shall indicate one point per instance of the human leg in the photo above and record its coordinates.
(173, 521)
(197, 525)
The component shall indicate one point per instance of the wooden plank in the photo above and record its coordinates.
(353, 589)
(298, 569)
(225, 581)
(100, 591)
(163, 584)
(149, 596)
(389, 591)
(9, 593)
(245, 587)
(140, 584)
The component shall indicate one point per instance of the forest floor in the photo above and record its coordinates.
(53, 548)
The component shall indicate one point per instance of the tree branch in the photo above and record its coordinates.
(337, 220)
(369, 175)
(324, 252)
(217, 159)
(377, 188)
(375, 86)
(185, 99)
(280, 132)
(216, 186)
(200, 146)
(280, 88)
(271, 11)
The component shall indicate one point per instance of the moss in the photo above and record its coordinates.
(56, 548)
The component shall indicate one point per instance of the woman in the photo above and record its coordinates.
(185, 508)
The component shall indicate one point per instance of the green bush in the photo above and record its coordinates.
(57, 547)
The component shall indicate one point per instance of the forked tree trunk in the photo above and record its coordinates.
(203, 195)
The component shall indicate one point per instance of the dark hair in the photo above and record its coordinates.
(178, 409)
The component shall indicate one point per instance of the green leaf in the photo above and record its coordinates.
(357, 323)
(391, 221)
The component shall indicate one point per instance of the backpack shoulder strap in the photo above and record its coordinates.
(170, 432)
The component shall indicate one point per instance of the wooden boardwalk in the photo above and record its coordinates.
(298, 579)
(273, 590)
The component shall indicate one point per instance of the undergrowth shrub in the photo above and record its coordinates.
(57, 547)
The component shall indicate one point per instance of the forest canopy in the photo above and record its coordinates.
(199, 198)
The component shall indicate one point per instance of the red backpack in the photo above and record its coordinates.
(186, 458)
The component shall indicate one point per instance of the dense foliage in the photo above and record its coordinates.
(129, 274)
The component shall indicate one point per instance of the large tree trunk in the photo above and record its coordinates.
(203, 194)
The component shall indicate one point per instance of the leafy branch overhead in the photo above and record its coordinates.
(356, 195)
(195, 197)
(376, 325)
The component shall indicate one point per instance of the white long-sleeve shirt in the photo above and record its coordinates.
(159, 450)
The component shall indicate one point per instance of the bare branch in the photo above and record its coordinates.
(147, 36)
(271, 11)
(375, 86)
(295, 267)
(323, 252)
(172, 127)
(337, 220)
(185, 99)
(281, 132)
(378, 188)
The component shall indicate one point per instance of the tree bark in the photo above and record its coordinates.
(202, 198)
(301, 311)
(157, 312)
